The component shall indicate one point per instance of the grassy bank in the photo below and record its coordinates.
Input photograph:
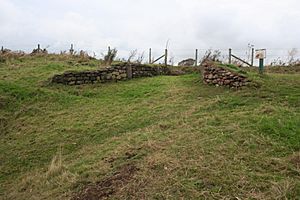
(186, 139)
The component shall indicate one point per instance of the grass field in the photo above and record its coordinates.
(167, 137)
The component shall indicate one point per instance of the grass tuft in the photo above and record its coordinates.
(56, 166)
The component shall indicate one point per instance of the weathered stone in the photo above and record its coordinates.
(219, 77)
(109, 76)
(116, 73)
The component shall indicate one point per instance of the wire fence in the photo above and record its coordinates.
(275, 56)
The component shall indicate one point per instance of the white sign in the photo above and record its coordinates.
(260, 53)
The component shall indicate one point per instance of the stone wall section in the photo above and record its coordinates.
(118, 72)
(218, 76)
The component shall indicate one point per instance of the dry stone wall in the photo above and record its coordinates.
(118, 72)
(218, 76)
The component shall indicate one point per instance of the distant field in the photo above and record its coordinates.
(166, 137)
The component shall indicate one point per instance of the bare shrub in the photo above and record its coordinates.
(290, 61)
(172, 60)
(135, 57)
(7, 55)
(132, 55)
(211, 56)
(277, 62)
(140, 57)
(291, 57)
(110, 56)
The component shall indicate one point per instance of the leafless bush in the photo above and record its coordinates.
(211, 56)
(110, 56)
(291, 57)
(290, 61)
(135, 57)
(83, 57)
(83, 54)
(172, 60)
(132, 55)
(8, 55)
(277, 62)
(140, 57)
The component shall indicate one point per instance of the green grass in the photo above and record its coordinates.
(233, 68)
(189, 140)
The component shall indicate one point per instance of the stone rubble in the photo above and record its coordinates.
(218, 76)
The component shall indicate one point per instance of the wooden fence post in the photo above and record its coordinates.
(71, 49)
(166, 57)
(196, 58)
(150, 55)
(39, 48)
(252, 57)
(2, 49)
(230, 56)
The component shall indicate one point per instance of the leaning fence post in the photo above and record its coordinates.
(166, 57)
(196, 58)
(230, 56)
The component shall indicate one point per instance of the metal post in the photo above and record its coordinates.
(196, 58)
(261, 66)
(150, 55)
(252, 57)
(166, 57)
(230, 56)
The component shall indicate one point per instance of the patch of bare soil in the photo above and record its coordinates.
(108, 186)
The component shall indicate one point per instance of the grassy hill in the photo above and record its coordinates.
(167, 137)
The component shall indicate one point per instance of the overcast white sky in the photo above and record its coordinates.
(140, 24)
